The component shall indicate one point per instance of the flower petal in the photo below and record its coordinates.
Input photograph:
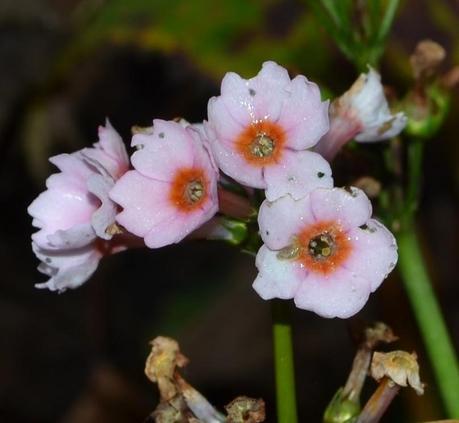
(276, 278)
(341, 294)
(349, 208)
(231, 163)
(74, 172)
(366, 103)
(179, 225)
(105, 215)
(225, 127)
(258, 98)
(55, 210)
(113, 145)
(67, 269)
(298, 173)
(282, 219)
(145, 202)
(164, 151)
(304, 116)
(374, 252)
(75, 237)
(384, 128)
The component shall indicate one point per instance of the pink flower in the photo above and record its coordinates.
(260, 129)
(173, 189)
(74, 215)
(324, 251)
(361, 113)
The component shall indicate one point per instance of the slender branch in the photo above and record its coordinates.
(379, 402)
(284, 365)
(387, 20)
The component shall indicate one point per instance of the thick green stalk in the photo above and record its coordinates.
(425, 305)
(283, 359)
(430, 320)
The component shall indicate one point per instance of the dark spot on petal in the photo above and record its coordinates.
(252, 92)
(368, 228)
(267, 232)
(161, 135)
(351, 190)
(48, 260)
(320, 174)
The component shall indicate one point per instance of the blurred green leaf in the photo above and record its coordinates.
(217, 36)
(359, 29)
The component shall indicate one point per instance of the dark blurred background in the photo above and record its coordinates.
(79, 357)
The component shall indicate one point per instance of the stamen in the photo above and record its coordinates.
(189, 189)
(261, 143)
(194, 191)
(262, 146)
(324, 247)
(321, 246)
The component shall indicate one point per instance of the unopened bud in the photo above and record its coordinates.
(370, 186)
(426, 112)
(341, 409)
(426, 58)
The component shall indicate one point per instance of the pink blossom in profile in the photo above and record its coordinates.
(173, 189)
(361, 113)
(260, 130)
(75, 216)
(324, 251)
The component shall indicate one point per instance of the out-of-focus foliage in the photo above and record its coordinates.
(359, 28)
(219, 35)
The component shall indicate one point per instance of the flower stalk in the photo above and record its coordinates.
(379, 402)
(284, 363)
(430, 319)
(422, 297)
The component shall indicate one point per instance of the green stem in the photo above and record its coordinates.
(283, 359)
(425, 305)
(430, 320)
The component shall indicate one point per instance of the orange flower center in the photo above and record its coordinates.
(325, 246)
(321, 248)
(261, 143)
(189, 189)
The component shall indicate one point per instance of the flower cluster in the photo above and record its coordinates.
(75, 216)
(321, 246)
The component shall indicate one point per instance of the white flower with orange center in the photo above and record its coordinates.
(324, 251)
(260, 130)
(173, 189)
